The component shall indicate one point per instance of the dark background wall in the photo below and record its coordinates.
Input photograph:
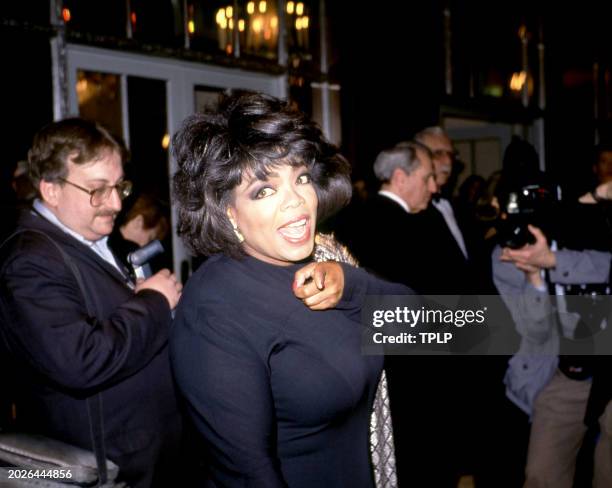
(577, 36)
(26, 92)
(389, 61)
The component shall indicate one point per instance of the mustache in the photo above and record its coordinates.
(106, 213)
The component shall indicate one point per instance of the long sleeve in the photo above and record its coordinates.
(226, 383)
(358, 284)
(531, 309)
(581, 267)
(48, 325)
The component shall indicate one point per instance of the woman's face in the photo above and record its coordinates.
(276, 216)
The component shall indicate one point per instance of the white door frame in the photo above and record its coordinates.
(181, 77)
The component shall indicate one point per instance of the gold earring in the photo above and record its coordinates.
(238, 234)
(235, 226)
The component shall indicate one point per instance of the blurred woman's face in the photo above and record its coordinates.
(276, 216)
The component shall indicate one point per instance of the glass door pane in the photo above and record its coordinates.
(148, 135)
(149, 143)
(99, 98)
(206, 97)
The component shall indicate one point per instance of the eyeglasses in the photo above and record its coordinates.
(98, 196)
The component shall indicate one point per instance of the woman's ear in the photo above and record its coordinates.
(230, 216)
(232, 219)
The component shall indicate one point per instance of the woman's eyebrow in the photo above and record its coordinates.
(255, 179)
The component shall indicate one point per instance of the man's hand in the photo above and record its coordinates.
(536, 255)
(319, 285)
(165, 283)
(602, 192)
(533, 274)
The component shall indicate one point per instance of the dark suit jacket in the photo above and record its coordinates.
(378, 234)
(62, 355)
(419, 251)
(453, 272)
(414, 249)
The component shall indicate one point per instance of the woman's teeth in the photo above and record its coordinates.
(294, 230)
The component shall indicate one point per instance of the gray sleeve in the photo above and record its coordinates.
(581, 267)
(531, 309)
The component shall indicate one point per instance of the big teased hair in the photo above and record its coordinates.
(247, 134)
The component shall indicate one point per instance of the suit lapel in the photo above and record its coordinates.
(33, 220)
(447, 236)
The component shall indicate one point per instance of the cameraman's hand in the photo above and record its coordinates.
(319, 285)
(534, 276)
(165, 283)
(602, 192)
(536, 255)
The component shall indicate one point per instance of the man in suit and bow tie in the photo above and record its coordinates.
(448, 251)
(401, 238)
(459, 262)
(392, 241)
(90, 358)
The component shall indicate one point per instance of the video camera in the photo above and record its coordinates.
(533, 204)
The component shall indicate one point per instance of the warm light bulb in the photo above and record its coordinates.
(518, 81)
(251, 7)
(223, 23)
(257, 25)
(290, 7)
(298, 23)
(81, 86)
(166, 141)
(66, 15)
(220, 16)
(229, 11)
(274, 22)
(299, 8)
(191, 26)
(231, 24)
(241, 25)
(305, 22)
(263, 6)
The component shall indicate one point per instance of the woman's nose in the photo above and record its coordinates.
(292, 198)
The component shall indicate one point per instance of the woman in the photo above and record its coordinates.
(280, 392)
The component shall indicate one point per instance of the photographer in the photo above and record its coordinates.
(88, 357)
(553, 389)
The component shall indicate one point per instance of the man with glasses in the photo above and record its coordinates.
(454, 389)
(102, 338)
(443, 155)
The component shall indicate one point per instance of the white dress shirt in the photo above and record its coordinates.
(100, 247)
(444, 207)
(395, 198)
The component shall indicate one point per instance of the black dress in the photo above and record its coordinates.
(281, 394)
